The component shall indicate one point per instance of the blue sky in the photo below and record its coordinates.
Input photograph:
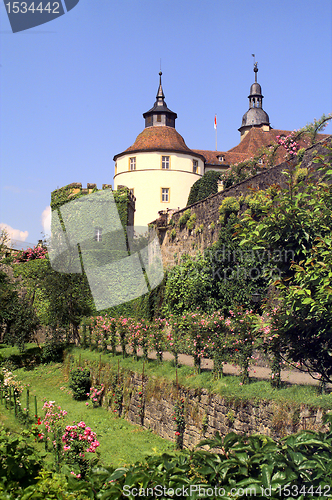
(73, 90)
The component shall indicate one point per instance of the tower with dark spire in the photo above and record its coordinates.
(160, 115)
(255, 116)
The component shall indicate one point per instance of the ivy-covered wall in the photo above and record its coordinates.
(124, 200)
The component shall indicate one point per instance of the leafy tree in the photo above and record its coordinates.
(60, 299)
(18, 321)
(295, 225)
(306, 314)
(189, 287)
(237, 270)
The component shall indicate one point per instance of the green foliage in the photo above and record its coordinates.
(204, 187)
(305, 316)
(237, 271)
(191, 222)
(298, 466)
(229, 205)
(53, 350)
(188, 287)
(238, 172)
(184, 218)
(286, 228)
(180, 423)
(172, 234)
(18, 321)
(295, 231)
(300, 175)
(19, 461)
(80, 383)
(61, 300)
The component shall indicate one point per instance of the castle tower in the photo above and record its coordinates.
(255, 116)
(158, 168)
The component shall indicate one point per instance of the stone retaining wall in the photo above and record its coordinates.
(205, 413)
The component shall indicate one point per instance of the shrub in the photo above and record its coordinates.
(191, 221)
(184, 217)
(80, 383)
(52, 352)
(300, 175)
(229, 205)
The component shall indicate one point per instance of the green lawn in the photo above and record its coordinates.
(120, 442)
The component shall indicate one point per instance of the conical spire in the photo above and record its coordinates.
(160, 115)
(160, 94)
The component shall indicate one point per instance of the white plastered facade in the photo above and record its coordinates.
(149, 179)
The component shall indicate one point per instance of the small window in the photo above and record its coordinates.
(221, 158)
(165, 162)
(132, 163)
(158, 118)
(98, 235)
(195, 166)
(165, 195)
(260, 161)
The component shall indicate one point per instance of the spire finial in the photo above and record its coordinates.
(160, 93)
(255, 67)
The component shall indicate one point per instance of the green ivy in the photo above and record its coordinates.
(204, 187)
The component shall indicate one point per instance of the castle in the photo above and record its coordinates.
(159, 168)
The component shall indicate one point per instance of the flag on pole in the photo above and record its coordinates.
(215, 122)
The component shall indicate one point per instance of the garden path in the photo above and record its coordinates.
(293, 376)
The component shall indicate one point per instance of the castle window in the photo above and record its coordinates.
(165, 195)
(158, 118)
(195, 166)
(165, 162)
(98, 236)
(132, 163)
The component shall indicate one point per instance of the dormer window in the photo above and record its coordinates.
(260, 161)
(221, 158)
(98, 235)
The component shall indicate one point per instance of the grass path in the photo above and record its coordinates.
(120, 442)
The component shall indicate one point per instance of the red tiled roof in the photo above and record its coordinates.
(255, 139)
(158, 139)
(212, 157)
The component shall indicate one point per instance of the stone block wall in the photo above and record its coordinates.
(206, 413)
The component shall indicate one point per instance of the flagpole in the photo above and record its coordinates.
(215, 126)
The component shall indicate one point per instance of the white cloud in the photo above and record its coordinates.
(14, 234)
(46, 221)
